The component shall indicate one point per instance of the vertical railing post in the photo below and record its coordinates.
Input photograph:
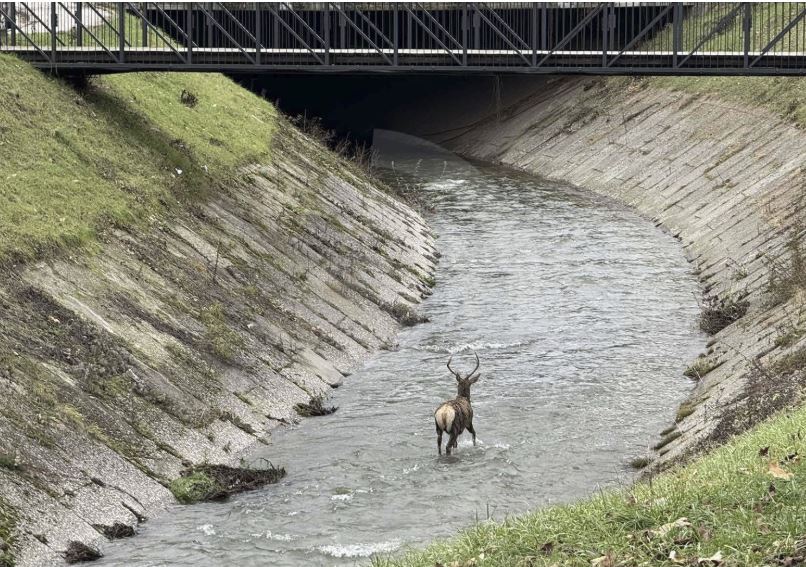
(121, 32)
(605, 31)
(465, 31)
(326, 32)
(54, 23)
(747, 27)
(189, 31)
(79, 25)
(535, 19)
(677, 31)
(144, 22)
(544, 27)
(13, 14)
(395, 35)
(258, 32)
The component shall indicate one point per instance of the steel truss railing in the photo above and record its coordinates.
(504, 37)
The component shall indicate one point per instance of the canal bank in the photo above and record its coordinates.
(724, 177)
(181, 267)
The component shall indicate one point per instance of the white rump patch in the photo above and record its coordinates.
(444, 417)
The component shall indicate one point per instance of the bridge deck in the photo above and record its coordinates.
(604, 38)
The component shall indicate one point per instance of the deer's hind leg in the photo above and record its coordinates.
(451, 443)
(439, 440)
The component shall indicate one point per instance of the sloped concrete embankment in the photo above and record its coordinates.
(188, 341)
(727, 180)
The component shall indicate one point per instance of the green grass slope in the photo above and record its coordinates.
(742, 505)
(121, 151)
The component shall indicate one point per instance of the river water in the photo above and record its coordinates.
(583, 315)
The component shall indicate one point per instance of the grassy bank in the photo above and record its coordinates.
(743, 503)
(122, 150)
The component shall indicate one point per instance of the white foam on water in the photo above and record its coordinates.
(468, 347)
(342, 497)
(275, 537)
(206, 529)
(359, 549)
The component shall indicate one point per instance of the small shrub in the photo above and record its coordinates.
(718, 313)
(188, 98)
(314, 408)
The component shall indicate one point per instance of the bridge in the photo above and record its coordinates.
(672, 38)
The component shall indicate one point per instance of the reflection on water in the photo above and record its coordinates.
(583, 315)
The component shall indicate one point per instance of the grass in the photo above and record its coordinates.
(788, 275)
(685, 410)
(216, 482)
(785, 96)
(741, 501)
(123, 151)
(702, 366)
(195, 487)
(8, 523)
(219, 338)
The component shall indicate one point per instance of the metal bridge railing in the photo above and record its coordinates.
(607, 37)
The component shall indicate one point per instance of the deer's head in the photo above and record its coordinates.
(469, 379)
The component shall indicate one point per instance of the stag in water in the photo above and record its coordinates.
(454, 416)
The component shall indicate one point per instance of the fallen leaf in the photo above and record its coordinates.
(776, 471)
(715, 559)
(606, 560)
(666, 528)
(674, 559)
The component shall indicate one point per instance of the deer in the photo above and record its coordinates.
(456, 415)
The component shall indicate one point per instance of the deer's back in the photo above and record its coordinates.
(454, 415)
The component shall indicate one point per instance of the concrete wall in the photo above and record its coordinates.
(725, 179)
(191, 339)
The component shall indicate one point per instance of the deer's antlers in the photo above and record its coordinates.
(458, 374)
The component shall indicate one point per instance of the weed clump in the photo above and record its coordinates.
(314, 408)
(203, 483)
(685, 410)
(700, 368)
(719, 312)
(8, 522)
(219, 338)
(188, 98)
(787, 278)
(404, 314)
(78, 552)
(666, 440)
(641, 462)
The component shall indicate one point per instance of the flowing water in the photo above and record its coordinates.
(583, 315)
